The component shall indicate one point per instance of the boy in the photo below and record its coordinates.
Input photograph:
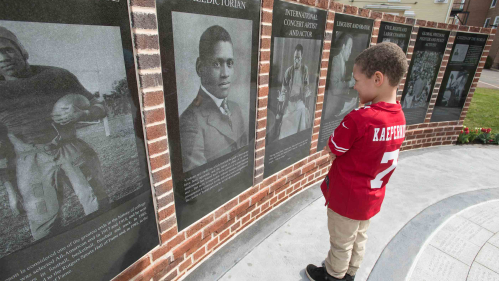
(364, 149)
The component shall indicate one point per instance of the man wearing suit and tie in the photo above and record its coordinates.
(212, 125)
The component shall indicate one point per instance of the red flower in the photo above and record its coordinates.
(488, 130)
(484, 130)
(461, 131)
(491, 140)
(467, 132)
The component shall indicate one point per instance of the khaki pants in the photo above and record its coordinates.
(348, 244)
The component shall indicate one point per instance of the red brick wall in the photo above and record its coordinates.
(180, 252)
(478, 11)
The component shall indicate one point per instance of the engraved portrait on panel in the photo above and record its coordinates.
(342, 98)
(294, 86)
(65, 118)
(213, 86)
(423, 74)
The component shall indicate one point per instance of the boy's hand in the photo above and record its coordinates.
(331, 154)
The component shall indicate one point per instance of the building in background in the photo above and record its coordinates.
(492, 21)
(483, 13)
(431, 10)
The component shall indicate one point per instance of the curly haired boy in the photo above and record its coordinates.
(364, 149)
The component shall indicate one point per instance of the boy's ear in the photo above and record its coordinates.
(378, 78)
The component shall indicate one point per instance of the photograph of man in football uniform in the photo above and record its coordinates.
(39, 150)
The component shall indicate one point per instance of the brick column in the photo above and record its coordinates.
(263, 88)
(147, 58)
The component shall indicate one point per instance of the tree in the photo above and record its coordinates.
(118, 101)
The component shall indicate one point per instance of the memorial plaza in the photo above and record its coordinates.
(177, 140)
(439, 221)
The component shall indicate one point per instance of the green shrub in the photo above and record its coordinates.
(488, 62)
(473, 135)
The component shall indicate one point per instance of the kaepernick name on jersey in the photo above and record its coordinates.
(387, 133)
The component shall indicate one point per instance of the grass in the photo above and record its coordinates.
(118, 158)
(484, 110)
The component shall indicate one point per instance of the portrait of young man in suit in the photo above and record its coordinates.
(212, 125)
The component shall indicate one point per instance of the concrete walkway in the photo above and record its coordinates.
(489, 79)
(427, 214)
(466, 247)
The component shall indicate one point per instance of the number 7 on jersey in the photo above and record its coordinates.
(392, 155)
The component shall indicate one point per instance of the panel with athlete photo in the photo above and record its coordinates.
(351, 36)
(72, 155)
(297, 37)
(209, 61)
(399, 34)
(423, 71)
(458, 77)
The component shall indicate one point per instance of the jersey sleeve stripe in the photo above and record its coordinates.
(341, 149)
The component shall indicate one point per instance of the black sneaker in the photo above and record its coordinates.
(348, 277)
(315, 273)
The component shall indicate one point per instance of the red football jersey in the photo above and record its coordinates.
(367, 144)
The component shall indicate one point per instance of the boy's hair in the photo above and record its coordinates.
(387, 58)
